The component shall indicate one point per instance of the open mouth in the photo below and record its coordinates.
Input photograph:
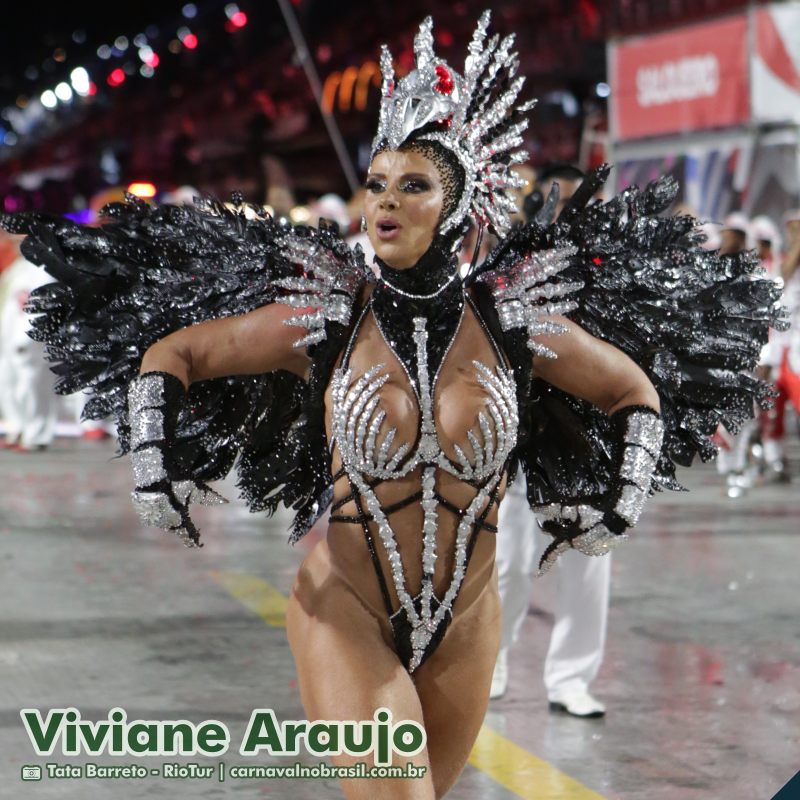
(387, 229)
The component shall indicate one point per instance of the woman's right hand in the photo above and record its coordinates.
(252, 343)
(162, 494)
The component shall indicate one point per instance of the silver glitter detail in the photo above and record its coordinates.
(589, 516)
(428, 446)
(331, 292)
(548, 562)
(185, 537)
(383, 453)
(637, 466)
(146, 391)
(147, 425)
(526, 296)
(189, 492)
(207, 497)
(502, 406)
(183, 491)
(646, 430)
(597, 541)
(356, 420)
(155, 509)
(548, 512)
(375, 425)
(429, 528)
(420, 296)
(418, 100)
(148, 467)
(643, 435)
(630, 504)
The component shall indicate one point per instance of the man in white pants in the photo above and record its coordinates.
(578, 638)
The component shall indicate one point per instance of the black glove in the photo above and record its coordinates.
(594, 525)
(162, 495)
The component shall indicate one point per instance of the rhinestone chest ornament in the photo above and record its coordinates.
(356, 423)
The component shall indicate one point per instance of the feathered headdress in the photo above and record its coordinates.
(474, 117)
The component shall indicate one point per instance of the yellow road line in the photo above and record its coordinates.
(522, 773)
(510, 765)
(256, 594)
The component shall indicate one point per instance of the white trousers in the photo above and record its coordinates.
(581, 612)
(734, 458)
(27, 400)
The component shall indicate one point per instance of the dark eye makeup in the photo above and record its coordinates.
(414, 185)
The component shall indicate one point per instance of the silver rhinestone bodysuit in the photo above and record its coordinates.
(369, 458)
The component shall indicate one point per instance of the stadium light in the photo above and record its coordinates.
(64, 92)
(79, 78)
(142, 189)
(117, 77)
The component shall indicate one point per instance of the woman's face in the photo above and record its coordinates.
(403, 206)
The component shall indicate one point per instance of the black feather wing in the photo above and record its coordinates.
(149, 270)
(693, 320)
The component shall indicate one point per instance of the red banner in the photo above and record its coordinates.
(684, 80)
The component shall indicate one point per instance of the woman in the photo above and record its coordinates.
(336, 607)
(405, 401)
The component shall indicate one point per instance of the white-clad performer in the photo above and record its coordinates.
(578, 639)
(27, 400)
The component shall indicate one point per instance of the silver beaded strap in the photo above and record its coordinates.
(413, 296)
(644, 434)
(146, 405)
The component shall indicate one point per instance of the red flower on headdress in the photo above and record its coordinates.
(445, 84)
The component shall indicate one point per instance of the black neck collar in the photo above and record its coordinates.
(395, 311)
(434, 270)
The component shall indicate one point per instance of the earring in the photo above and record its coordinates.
(363, 224)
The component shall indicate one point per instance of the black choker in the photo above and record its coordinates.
(435, 270)
(432, 289)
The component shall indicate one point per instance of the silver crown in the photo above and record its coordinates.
(480, 125)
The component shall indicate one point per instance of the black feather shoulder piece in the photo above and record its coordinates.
(149, 270)
(693, 320)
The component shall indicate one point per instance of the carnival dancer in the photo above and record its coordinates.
(593, 353)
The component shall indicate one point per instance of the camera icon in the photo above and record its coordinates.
(31, 773)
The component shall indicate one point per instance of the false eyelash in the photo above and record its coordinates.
(421, 186)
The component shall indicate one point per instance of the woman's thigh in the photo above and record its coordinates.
(347, 670)
(453, 686)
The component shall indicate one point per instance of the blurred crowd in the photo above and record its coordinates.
(756, 453)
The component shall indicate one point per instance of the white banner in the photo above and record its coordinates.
(775, 72)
